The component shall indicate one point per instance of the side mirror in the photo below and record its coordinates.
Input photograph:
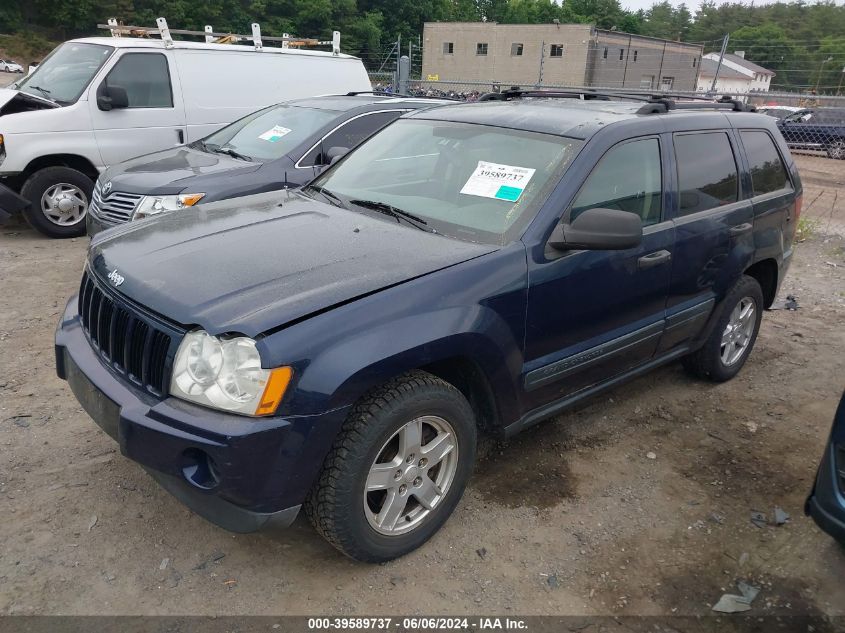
(111, 97)
(599, 230)
(335, 154)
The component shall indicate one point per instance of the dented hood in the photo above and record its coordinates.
(252, 264)
(12, 101)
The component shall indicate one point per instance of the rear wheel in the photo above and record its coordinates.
(58, 201)
(836, 150)
(397, 469)
(733, 337)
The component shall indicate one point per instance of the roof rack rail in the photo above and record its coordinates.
(655, 103)
(396, 95)
(118, 29)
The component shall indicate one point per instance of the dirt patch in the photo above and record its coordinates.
(530, 471)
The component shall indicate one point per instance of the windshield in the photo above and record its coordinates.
(472, 182)
(66, 72)
(270, 133)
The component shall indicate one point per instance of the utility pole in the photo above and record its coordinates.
(719, 65)
(542, 59)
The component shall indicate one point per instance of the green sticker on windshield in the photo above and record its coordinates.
(508, 193)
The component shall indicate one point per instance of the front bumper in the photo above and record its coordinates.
(826, 504)
(240, 473)
(95, 224)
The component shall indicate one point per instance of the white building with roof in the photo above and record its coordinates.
(736, 76)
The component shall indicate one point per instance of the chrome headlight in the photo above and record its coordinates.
(226, 374)
(153, 205)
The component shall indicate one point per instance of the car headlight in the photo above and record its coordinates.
(153, 205)
(226, 374)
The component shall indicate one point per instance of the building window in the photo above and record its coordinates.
(666, 83)
(647, 82)
(516, 49)
(604, 55)
(556, 51)
(481, 48)
(621, 54)
(635, 55)
(448, 48)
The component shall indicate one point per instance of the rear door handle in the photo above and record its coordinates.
(739, 229)
(654, 259)
(180, 134)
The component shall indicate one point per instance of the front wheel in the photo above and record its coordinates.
(58, 201)
(733, 337)
(397, 469)
(836, 150)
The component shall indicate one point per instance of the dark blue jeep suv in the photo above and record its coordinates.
(470, 268)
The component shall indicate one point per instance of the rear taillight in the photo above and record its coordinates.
(799, 201)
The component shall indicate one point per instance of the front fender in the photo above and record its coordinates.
(342, 374)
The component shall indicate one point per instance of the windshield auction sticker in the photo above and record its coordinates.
(502, 182)
(274, 134)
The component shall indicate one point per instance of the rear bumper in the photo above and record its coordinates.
(240, 473)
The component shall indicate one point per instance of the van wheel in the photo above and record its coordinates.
(58, 201)
(836, 150)
(397, 469)
(732, 339)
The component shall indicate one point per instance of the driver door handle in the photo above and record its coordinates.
(740, 229)
(654, 259)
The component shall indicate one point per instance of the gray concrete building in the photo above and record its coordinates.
(556, 54)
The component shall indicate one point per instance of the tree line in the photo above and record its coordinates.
(804, 43)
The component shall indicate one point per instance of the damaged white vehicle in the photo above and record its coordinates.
(97, 101)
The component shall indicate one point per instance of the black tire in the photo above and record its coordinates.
(707, 361)
(39, 183)
(336, 504)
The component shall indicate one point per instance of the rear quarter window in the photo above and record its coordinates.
(707, 174)
(768, 173)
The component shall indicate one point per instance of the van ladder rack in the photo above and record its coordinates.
(211, 37)
(655, 103)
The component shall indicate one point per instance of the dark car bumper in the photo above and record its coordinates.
(826, 503)
(240, 473)
(94, 224)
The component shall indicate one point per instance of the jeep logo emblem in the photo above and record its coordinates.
(107, 188)
(116, 278)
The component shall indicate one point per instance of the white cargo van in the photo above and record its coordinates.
(98, 101)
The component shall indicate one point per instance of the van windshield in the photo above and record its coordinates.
(66, 72)
(472, 182)
(269, 133)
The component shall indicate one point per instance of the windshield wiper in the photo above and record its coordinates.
(328, 194)
(230, 152)
(394, 212)
(43, 91)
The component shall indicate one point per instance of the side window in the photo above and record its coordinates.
(349, 135)
(627, 178)
(707, 176)
(767, 170)
(145, 78)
